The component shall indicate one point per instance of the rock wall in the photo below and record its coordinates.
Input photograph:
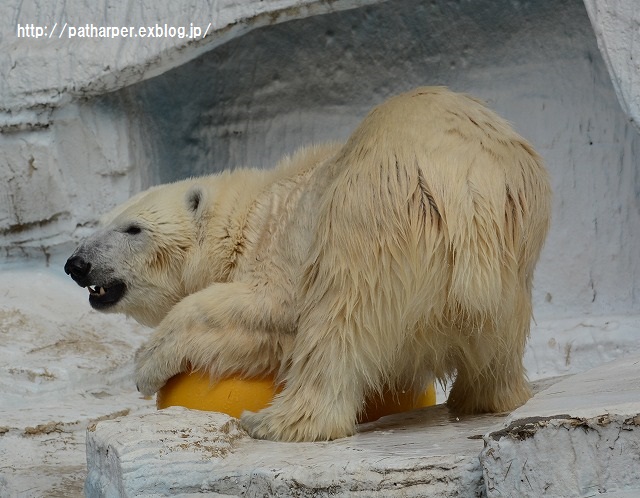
(86, 123)
(588, 423)
(69, 150)
(615, 23)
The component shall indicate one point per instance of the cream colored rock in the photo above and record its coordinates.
(404, 255)
(589, 422)
(179, 452)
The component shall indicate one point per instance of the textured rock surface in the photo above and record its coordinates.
(615, 23)
(425, 453)
(261, 95)
(49, 70)
(68, 154)
(579, 437)
(64, 366)
(164, 453)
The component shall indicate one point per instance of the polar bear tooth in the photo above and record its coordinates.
(102, 291)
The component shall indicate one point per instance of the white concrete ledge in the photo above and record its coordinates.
(177, 451)
(579, 437)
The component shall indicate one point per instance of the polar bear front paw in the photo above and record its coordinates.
(282, 425)
(150, 371)
(259, 426)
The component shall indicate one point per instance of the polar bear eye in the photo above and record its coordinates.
(133, 230)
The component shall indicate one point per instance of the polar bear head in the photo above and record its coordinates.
(138, 261)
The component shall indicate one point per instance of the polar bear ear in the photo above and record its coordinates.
(195, 200)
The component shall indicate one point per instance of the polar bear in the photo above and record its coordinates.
(402, 256)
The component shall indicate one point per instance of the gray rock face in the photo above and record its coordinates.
(615, 23)
(579, 437)
(423, 453)
(70, 152)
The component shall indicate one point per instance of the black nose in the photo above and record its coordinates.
(77, 267)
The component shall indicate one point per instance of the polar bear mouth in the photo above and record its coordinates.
(101, 297)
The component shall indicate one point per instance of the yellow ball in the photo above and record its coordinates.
(235, 395)
(231, 396)
(389, 403)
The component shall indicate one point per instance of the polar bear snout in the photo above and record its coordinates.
(103, 292)
(78, 269)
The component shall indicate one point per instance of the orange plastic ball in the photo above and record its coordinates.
(231, 396)
(389, 403)
(235, 395)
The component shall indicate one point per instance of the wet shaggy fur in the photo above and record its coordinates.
(402, 256)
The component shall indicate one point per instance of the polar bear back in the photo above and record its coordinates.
(485, 185)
